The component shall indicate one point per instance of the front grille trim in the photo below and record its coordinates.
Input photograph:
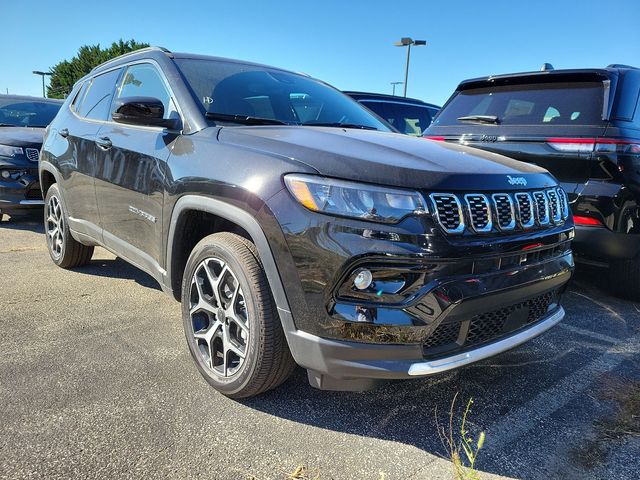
(498, 198)
(438, 197)
(32, 154)
(554, 205)
(542, 211)
(471, 199)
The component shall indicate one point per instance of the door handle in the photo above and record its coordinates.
(64, 132)
(104, 143)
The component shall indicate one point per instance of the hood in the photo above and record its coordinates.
(389, 158)
(21, 136)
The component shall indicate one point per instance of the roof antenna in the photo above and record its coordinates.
(545, 67)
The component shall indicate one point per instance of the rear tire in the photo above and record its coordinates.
(625, 278)
(65, 251)
(230, 320)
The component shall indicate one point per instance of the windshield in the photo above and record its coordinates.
(408, 118)
(237, 90)
(561, 103)
(21, 113)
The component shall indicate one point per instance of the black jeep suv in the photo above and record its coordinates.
(295, 228)
(407, 115)
(581, 125)
(22, 123)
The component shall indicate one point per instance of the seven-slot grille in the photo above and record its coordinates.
(500, 211)
(32, 154)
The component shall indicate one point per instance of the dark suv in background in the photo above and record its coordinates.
(296, 228)
(407, 115)
(22, 123)
(584, 127)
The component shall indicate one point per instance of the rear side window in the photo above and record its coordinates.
(77, 101)
(97, 100)
(407, 118)
(560, 103)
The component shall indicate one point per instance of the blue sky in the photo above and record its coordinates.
(347, 43)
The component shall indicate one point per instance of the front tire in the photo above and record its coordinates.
(229, 318)
(65, 251)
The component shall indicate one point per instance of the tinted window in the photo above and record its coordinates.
(248, 90)
(97, 100)
(562, 103)
(25, 113)
(80, 96)
(407, 118)
(143, 80)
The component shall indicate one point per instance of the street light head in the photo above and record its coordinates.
(419, 42)
(404, 41)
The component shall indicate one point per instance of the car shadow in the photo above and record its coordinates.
(30, 222)
(118, 268)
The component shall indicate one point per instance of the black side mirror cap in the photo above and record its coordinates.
(143, 111)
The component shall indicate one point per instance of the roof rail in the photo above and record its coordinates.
(621, 65)
(133, 52)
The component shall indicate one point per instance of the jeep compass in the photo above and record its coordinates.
(295, 228)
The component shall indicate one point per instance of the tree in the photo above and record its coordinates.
(66, 73)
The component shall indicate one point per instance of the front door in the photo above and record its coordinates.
(130, 180)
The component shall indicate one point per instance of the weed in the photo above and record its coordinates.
(463, 452)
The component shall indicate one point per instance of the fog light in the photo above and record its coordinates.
(5, 173)
(363, 279)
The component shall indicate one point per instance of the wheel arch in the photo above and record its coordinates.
(48, 176)
(244, 223)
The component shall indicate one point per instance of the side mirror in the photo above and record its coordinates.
(143, 111)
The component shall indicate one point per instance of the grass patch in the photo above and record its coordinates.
(624, 422)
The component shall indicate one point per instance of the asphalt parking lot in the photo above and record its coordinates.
(96, 382)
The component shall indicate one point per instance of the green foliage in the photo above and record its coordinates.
(463, 467)
(66, 73)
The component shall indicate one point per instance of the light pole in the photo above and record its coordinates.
(42, 74)
(394, 86)
(407, 42)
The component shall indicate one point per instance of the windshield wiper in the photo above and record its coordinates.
(7, 125)
(243, 119)
(339, 125)
(480, 119)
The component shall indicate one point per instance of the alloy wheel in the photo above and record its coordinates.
(55, 226)
(219, 319)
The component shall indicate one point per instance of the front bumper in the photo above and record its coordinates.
(491, 314)
(20, 192)
(338, 365)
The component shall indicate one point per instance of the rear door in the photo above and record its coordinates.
(131, 166)
(77, 161)
(540, 122)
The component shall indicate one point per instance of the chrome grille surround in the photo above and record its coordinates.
(541, 208)
(479, 212)
(564, 203)
(524, 204)
(504, 211)
(32, 154)
(448, 212)
(554, 206)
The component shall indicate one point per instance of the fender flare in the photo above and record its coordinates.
(249, 223)
(47, 167)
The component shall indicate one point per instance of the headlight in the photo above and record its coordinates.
(351, 199)
(9, 151)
